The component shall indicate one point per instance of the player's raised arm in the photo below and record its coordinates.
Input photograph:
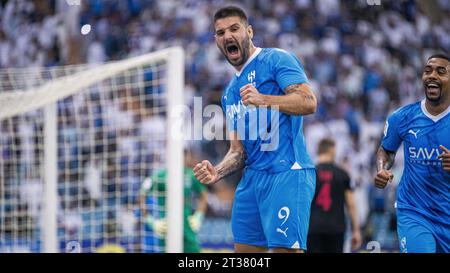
(385, 161)
(298, 99)
(233, 161)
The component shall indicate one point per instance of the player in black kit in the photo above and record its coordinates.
(333, 191)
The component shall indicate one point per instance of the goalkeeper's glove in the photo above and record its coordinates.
(159, 226)
(195, 221)
(146, 185)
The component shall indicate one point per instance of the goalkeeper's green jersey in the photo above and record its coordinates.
(192, 187)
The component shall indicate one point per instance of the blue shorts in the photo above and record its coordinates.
(272, 209)
(418, 234)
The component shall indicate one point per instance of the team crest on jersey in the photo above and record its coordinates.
(251, 76)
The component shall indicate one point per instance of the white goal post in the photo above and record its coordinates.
(58, 127)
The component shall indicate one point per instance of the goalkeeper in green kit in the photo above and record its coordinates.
(193, 191)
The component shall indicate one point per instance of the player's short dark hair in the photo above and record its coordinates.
(229, 11)
(440, 56)
(325, 145)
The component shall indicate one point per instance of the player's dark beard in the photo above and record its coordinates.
(436, 100)
(244, 49)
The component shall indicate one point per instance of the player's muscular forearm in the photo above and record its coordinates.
(298, 100)
(232, 162)
(303, 100)
(385, 159)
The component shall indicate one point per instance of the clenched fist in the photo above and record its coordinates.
(251, 96)
(382, 178)
(445, 156)
(205, 172)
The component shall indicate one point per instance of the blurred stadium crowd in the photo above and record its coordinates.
(362, 60)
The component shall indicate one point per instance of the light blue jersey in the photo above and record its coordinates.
(423, 195)
(272, 203)
(273, 141)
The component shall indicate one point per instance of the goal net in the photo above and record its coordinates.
(76, 145)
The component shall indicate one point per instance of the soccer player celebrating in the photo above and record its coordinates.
(272, 203)
(423, 196)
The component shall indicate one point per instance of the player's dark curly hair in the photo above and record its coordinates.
(230, 11)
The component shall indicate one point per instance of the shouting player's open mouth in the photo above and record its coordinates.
(233, 51)
(433, 88)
